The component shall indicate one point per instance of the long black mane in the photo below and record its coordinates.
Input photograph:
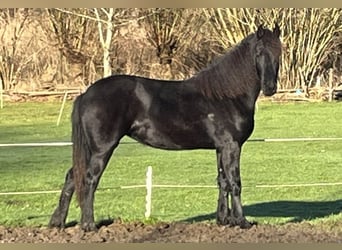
(231, 74)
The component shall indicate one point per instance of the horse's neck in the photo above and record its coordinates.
(251, 103)
(248, 99)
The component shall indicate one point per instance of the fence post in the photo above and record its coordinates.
(331, 89)
(148, 192)
(1, 94)
(62, 108)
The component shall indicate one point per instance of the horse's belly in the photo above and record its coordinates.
(168, 138)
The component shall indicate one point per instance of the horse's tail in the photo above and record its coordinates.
(80, 150)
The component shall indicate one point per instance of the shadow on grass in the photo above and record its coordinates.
(298, 210)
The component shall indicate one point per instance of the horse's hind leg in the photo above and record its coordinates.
(97, 164)
(59, 216)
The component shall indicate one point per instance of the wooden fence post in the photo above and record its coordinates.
(148, 192)
(331, 89)
(1, 94)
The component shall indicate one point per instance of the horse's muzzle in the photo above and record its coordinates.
(269, 91)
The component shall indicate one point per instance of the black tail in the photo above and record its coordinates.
(81, 153)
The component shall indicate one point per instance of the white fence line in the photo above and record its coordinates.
(297, 139)
(300, 185)
(60, 144)
(168, 186)
(36, 144)
(30, 192)
(185, 186)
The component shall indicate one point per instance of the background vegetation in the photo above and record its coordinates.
(58, 48)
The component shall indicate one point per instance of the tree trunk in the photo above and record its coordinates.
(106, 41)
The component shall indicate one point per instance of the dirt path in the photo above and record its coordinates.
(176, 232)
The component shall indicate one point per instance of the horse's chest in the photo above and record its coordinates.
(229, 127)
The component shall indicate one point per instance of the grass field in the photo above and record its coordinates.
(25, 169)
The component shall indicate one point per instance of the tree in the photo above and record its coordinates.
(307, 36)
(73, 33)
(105, 37)
(75, 29)
(12, 58)
(171, 32)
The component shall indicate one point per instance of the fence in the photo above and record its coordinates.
(61, 144)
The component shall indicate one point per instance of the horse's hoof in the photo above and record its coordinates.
(55, 223)
(243, 223)
(222, 221)
(88, 227)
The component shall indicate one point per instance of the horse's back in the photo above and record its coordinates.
(112, 85)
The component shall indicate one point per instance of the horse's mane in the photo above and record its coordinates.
(231, 74)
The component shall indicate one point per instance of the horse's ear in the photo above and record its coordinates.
(260, 32)
(276, 30)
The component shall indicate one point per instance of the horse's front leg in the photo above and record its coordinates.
(230, 168)
(223, 211)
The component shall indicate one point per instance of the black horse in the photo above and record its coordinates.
(212, 110)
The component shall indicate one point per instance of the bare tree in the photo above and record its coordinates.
(307, 36)
(83, 22)
(109, 20)
(105, 37)
(73, 33)
(170, 32)
(12, 22)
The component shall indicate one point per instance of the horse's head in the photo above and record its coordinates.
(267, 56)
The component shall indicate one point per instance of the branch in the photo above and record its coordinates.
(123, 23)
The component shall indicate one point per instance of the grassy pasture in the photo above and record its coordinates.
(25, 169)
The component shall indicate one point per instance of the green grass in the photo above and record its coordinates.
(44, 168)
